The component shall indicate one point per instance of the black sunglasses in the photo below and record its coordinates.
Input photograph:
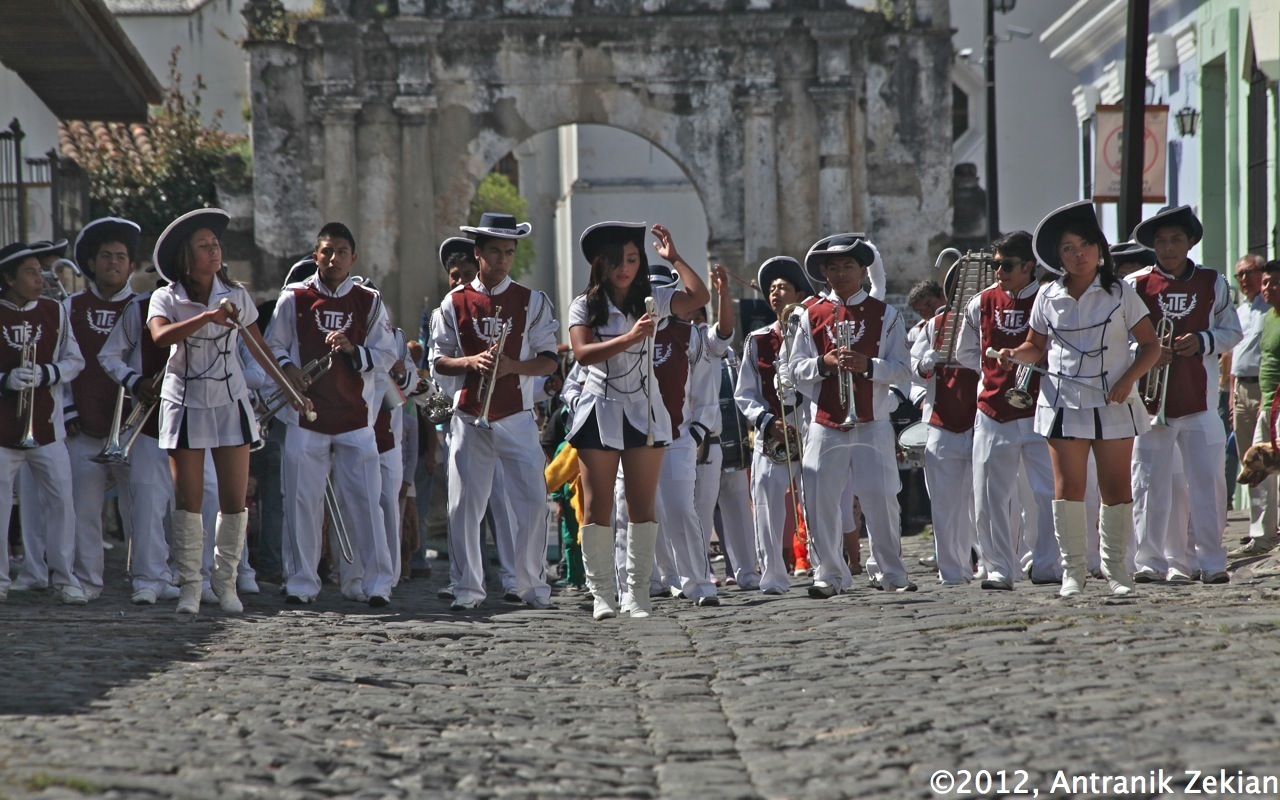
(1007, 264)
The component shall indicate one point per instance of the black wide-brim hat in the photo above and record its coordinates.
(788, 269)
(300, 271)
(1044, 242)
(456, 244)
(602, 233)
(166, 253)
(1180, 216)
(499, 226)
(850, 244)
(662, 275)
(100, 230)
(44, 247)
(1133, 252)
(14, 252)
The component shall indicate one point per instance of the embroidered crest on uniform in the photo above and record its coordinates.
(18, 336)
(490, 328)
(661, 352)
(1176, 305)
(1011, 320)
(101, 320)
(856, 330)
(333, 321)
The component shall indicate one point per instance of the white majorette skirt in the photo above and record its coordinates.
(227, 425)
(1112, 421)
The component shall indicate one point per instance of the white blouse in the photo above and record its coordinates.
(619, 387)
(1088, 339)
(204, 369)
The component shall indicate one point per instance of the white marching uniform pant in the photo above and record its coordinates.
(868, 452)
(1202, 442)
(89, 486)
(306, 462)
(473, 456)
(738, 528)
(706, 493)
(771, 491)
(34, 572)
(948, 475)
(504, 532)
(391, 468)
(49, 468)
(680, 517)
(150, 499)
(999, 450)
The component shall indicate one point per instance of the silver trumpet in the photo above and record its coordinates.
(27, 397)
(280, 399)
(431, 399)
(1020, 395)
(1155, 390)
(338, 523)
(122, 436)
(490, 380)
(848, 387)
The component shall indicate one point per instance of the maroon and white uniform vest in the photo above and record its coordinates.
(671, 369)
(868, 326)
(955, 389)
(382, 432)
(1005, 321)
(478, 330)
(92, 319)
(42, 322)
(1188, 304)
(767, 347)
(338, 396)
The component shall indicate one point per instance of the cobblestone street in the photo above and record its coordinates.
(864, 695)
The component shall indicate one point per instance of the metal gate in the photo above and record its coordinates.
(40, 198)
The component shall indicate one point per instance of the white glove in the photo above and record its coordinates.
(927, 362)
(782, 382)
(20, 379)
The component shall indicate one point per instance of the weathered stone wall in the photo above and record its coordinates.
(791, 119)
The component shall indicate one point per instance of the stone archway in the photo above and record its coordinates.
(791, 118)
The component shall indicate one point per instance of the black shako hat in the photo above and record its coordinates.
(788, 269)
(499, 226)
(1133, 252)
(851, 244)
(105, 229)
(1180, 216)
(602, 233)
(299, 272)
(662, 275)
(15, 253)
(44, 247)
(1044, 242)
(456, 244)
(166, 253)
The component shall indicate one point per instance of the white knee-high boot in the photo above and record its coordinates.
(228, 542)
(1113, 532)
(602, 574)
(1068, 524)
(642, 540)
(188, 553)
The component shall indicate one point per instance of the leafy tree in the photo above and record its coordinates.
(496, 193)
(155, 172)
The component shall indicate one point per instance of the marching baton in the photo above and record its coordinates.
(994, 353)
(268, 363)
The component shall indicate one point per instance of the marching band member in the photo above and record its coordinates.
(105, 249)
(133, 359)
(766, 402)
(493, 421)
(950, 407)
(1004, 436)
(876, 356)
(1197, 302)
(40, 353)
(618, 419)
(330, 314)
(1083, 322)
(204, 402)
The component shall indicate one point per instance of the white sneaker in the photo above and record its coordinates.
(464, 605)
(540, 604)
(170, 592)
(4, 595)
(1177, 577)
(23, 586)
(247, 584)
(73, 596)
(144, 597)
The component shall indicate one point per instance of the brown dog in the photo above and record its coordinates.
(1259, 461)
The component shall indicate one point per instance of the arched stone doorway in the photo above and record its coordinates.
(792, 119)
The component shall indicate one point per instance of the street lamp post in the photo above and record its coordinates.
(993, 180)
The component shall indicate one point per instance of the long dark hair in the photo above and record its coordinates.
(609, 258)
(182, 265)
(1091, 235)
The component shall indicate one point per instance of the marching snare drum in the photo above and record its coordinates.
(911, 443)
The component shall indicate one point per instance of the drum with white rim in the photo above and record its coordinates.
(911, 443)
